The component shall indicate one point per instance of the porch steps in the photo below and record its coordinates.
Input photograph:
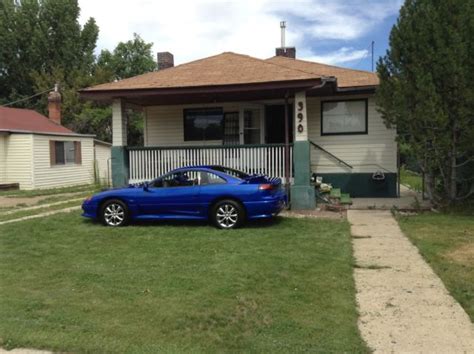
(335, 193)
(337, 198)
(345, 199)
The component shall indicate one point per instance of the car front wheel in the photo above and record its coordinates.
(228, 214)
(114, 213)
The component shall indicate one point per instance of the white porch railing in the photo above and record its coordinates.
(148, 163)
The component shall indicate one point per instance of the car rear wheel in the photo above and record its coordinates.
(228, 214)
(114, 213)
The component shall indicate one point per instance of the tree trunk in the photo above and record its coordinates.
(453, 174)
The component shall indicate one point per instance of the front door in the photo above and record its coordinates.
(252, 126)
(275, 123)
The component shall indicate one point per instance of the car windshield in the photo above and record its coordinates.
(230, 171)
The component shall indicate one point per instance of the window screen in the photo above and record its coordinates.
(344, 117)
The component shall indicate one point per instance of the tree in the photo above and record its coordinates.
(41, 39)
(128, 59)
(427, 92)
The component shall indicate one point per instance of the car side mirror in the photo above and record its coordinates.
(146, 186)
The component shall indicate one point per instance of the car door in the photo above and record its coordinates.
(174, 195)
(211, 186)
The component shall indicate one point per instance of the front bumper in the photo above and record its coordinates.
(89, 209)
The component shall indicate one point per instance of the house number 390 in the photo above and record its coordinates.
(300, 117)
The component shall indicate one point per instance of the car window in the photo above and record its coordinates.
(230, 171)
(177, 179)
(208, 178)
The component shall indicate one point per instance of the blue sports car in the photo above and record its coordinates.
(223, 195)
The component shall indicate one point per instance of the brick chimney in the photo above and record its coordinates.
(284, 51)
(54, 105)
(289, 52)
(165, 60)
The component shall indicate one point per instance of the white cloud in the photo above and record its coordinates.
(199, 28)
(340, 56)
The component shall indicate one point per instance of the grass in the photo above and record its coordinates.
(446, 241)
(411, 179)
(51, 191)
(69, 284)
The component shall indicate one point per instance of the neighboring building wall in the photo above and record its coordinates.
(164, 125)
(3, 167)
(102, 163)
(18, 150)
(47, 176)
(370, 152)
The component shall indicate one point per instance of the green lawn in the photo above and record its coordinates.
(411, 179)
(446, 241)
(69, 284)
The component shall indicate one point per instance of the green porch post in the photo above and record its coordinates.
(302, 192)
(119, 143)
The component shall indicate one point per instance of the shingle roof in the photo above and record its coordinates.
(26, 120)
(345, 77)
(232, 69)
(224, 69)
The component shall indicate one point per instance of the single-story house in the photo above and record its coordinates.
(38, 152)
(281, 116)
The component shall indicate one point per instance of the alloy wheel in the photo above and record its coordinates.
(114, 214)
(227, 216)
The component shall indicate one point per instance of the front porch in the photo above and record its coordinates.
(254, 137)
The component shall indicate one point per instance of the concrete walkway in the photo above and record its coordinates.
(409, 199)
(403, 305)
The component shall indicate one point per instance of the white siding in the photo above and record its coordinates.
(165, 124)
(47, 176)
(3, 167)
(18, 160)
(102, 163)
(370, 152)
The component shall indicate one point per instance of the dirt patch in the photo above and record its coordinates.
(463, 254)
(9, 202)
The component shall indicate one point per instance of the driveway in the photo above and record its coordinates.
(403, 305)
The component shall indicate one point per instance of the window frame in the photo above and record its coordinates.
(185, 110)
(54, 156)
(364, 132)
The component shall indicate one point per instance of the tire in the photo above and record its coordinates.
(114, 213)
(227, 214)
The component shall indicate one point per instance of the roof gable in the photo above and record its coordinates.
(345, 77)
(224, 69)
(27, 120)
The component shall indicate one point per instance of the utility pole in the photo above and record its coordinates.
(372, 55)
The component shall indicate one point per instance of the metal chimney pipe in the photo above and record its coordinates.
(282, 27)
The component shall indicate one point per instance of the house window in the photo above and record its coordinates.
(65, 152)
(344, 117)
(203, 124)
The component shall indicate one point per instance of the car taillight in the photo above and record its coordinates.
(265, 187)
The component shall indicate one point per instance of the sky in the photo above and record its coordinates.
(337, 32)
